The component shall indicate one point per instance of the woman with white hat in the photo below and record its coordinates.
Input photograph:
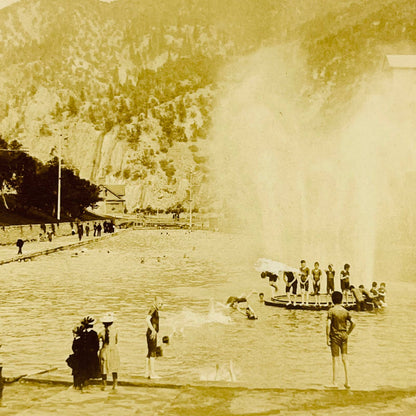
(109, 355)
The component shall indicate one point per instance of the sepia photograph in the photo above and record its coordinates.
(208, 207)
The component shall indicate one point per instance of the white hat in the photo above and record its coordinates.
(108, 317)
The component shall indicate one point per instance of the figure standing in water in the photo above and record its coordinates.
(109, 355)
(345, 282)
(152, 321)
(339, 325)
(316, 275)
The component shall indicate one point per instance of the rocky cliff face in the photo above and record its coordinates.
(130, 85)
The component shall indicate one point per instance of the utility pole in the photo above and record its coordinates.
(58, 206)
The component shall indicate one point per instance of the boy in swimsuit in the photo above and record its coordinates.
(316, 276)
(303, 281)
(330, 279)
(345, 282)
(339, 326)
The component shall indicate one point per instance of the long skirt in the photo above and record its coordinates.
(109, 359)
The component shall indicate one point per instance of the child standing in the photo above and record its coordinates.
(316, 275)
(345, 282)
(330, 279)
(339, 326)
(109, 355)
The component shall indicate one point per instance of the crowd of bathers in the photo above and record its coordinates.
(307, 282)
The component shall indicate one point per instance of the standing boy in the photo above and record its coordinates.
(345, 282)
(339, 325)
(152, 321)
(316, 276)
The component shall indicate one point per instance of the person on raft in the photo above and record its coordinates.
(291, 286)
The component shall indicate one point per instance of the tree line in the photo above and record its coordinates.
(35, 184)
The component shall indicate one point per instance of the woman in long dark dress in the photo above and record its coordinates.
(89, 363)
(74, 359)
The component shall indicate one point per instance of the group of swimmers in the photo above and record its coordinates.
(309, 282)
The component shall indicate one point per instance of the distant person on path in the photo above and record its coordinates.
(99, 228)
(152, 321)
(19, 244)
(109, 355)
(339, 326)
(80, 231)
(95, 229)
(345, 281)
(89, 363)
(87, 229)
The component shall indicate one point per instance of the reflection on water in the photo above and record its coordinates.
(43, 299)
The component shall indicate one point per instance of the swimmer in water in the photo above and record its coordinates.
(235, 303)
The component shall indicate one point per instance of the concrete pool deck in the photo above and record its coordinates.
(47, 395)
(34, 249)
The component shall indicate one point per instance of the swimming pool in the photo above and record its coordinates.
(44, 299)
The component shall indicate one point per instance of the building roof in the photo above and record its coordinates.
(118, 190)
(401, 61)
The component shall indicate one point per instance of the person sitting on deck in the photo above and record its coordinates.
(316, 275)
(376, 295)
(368, 296)
(291, 286)
(272, 282)
(359, 298)
(382, 294)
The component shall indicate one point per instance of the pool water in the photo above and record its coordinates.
(43, 299)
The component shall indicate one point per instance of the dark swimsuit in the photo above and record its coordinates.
(291, 278)
(316, 274)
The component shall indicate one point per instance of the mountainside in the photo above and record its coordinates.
(131, 85)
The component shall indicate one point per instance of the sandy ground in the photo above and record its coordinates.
(32, 399)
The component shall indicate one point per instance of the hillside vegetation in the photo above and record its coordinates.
(132, 84)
